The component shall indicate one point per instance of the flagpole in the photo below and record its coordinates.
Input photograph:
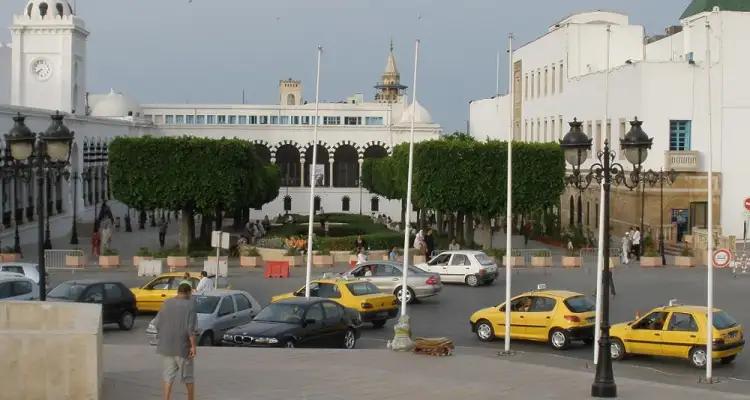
(509, 197)
(402, 338)
(709, 257)
(314, 163)
(497, 75)
(600, 256)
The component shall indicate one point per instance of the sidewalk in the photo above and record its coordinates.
(133, 372)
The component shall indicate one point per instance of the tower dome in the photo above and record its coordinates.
(47, 9)
(422, 116)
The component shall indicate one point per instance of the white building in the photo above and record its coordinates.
(44, 69)
(661, 80)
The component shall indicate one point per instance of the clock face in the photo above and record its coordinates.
(41, 69)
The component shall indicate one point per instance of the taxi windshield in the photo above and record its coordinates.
(579, 304)
(722, 320)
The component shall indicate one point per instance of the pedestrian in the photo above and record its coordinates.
(419, 243)
(360, 243)
(453, 246)
(186, 279)
(162, 231)
(96, 241)
(266, 224)
(105, 213)
(637, 243)
(631, 233)
(175, 323)
(625, 248)
(361, 257)
(429, 241)
(393, 255)
(205, 284)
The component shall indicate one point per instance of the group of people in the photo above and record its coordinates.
(631, 245)
(424, 243)
(255, 230)
(101, 237)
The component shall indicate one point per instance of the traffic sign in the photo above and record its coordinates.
(747, 204)
(722, 257)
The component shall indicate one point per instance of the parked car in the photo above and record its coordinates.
(678, 331)
(386, 275)
(14, 286)
(554, 316)
(218, 311)
(118, 303)
(462, 266)
(29, 270)
(298, 322)
(150, 296)
(364, 297)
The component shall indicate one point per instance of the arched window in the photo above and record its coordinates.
(345, 166)
(290, 99)
(580, 212)
(374, 204)
(572, 211)
(288, 203)
(322, 160)
(345, 203)
(316, 203)
(287, 158)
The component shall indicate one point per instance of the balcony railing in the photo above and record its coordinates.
(680, 161)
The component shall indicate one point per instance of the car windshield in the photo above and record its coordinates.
(483, 259)
(67, 290)
(279, 312)
(362, 288)
(722, 320)
(579, 304)
(206, 304)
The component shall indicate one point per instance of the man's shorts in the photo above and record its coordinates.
(172, 365)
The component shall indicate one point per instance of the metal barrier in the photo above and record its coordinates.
(528, 253)
(589, 257)
(64, 260)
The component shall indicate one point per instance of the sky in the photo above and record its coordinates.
(208, 51)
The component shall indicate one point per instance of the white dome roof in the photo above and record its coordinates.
(422, 115)
(114, 105)
(45, 9)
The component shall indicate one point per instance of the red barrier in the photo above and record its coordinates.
(276, 269)
(352, 264)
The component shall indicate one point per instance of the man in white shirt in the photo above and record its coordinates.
(205, 284)
(637, 243)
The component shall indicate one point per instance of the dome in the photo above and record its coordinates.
(422, 115)
(48, 8)
(113, 105)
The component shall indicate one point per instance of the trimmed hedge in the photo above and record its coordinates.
(375, 241)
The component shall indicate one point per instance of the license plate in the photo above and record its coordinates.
(382, 314)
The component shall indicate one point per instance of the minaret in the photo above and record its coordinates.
(390, 87)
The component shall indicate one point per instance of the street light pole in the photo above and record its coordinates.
(74, 228)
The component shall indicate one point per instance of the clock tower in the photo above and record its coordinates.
(49, 57)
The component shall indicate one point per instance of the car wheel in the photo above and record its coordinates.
(484, 330)
(410, 296)
(728, 360)
(472, 280)
(559, 339)
(698, 357)
(207, 339)
(617, 349)
(127, 319)
(290, 344)
(350, 339)
(378, 323)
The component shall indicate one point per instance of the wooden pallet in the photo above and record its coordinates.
(439, 347)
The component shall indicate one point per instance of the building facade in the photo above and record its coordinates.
(662, 80)
(47, 70)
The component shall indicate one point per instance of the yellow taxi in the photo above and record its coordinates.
(373, 305)
(555, 316)
(678, 331)
(150, 296)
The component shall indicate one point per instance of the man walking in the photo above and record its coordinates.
(637, 243)
(162, 231)
(175, 323)
(205, 284)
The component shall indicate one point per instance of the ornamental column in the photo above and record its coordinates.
(330, 171)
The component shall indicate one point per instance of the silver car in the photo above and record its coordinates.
(29, 270)
(218, 311)
(14, 286)
(386, 275)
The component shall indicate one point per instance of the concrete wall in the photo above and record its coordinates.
(50, 351)
(5, 72)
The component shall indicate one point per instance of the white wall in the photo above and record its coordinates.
(5, 73)
(488, 118)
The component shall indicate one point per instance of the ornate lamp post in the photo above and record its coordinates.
(16, 169)
(45, 151)
(576, 146)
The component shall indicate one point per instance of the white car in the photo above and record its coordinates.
(28, 270)
(462, 266)
(15, 286)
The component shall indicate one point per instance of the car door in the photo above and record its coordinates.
(386, 277)
(113, 305)
(94, 294)
(646, 334)
(245, 311)
(313, 333)
(439, 265)
(518, 314)
(680, 335)
(539, 317)
(226, 316)
(458, 267)
(154, 293)
(334, 325)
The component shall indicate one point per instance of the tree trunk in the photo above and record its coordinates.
(460, 228)
(469, 230)
(219, 218)
(403, 214)
(451, 226)
(439, 222)
(486, 225)
(237, 219)
(187, 228)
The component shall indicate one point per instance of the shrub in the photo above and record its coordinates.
(497, 253)
(248, 251)
(542, 253)
(144, 252)
(292, 251)
(110, 252)
(9, 250)
(375, 241)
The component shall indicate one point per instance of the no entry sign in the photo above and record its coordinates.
(747, 204)
(722, 257)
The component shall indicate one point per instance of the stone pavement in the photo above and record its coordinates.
(133, 372)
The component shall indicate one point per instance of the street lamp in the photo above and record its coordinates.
(576, 146)
(46, 152)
